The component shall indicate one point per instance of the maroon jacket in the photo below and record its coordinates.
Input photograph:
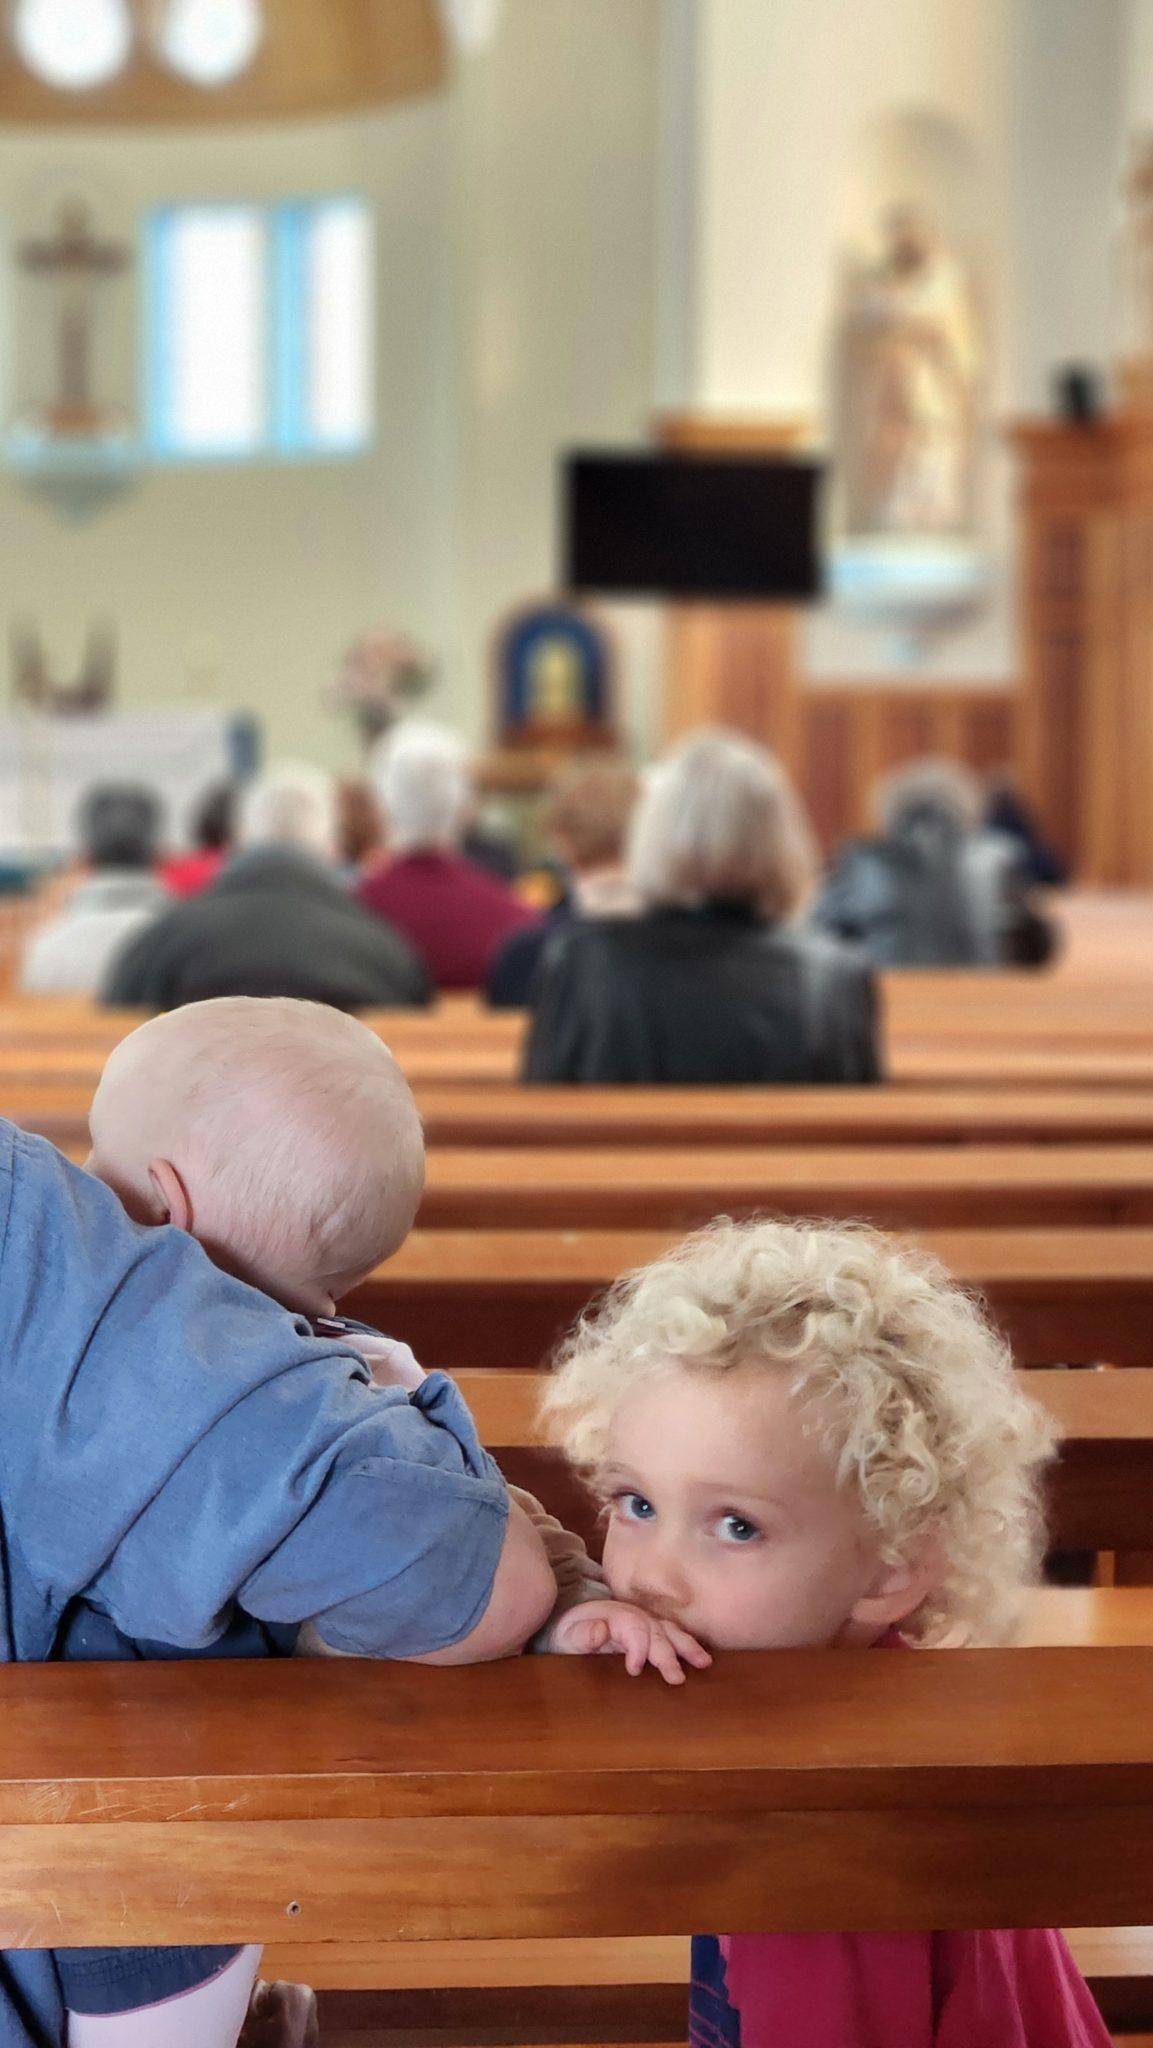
(451, 911)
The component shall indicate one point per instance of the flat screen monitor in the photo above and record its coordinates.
(691, 526)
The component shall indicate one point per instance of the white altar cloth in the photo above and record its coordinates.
(47, 765)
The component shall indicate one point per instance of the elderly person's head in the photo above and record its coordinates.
(291, 805)
(422, 780)
(719, 821)
(928, 793)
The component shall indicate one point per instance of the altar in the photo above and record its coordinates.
(47, 764)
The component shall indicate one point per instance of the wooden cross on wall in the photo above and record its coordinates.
(76, 261)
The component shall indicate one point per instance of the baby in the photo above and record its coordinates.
(807, 1437)
(284, 1136)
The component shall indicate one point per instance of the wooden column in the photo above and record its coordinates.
(1086, 715)
(734, 664)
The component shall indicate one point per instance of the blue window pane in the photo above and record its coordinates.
(259, 330)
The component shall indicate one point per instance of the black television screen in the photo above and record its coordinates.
(691, 526)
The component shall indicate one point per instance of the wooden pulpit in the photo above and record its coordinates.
(1086, 711)
(734, 664)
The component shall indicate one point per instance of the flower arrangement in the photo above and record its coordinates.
(380, 677)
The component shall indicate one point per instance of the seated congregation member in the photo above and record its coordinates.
(187, 1464)
(71, 953)
(934, 889)
(712, 982)
(1007, 812)
(807, 1436)
(586, 824)
(455, 913)
(213, 829)
(277, 922)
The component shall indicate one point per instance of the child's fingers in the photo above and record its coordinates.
(663, 1657)
(687, 1646)
(591, 1638)
(634, 1639)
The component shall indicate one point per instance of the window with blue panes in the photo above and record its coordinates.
(259, 331)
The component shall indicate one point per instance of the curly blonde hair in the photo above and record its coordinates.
(904, 1383)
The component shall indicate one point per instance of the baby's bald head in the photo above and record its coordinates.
(282, 1134)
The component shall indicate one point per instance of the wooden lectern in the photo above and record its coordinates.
(1086, 712)
(734, 664)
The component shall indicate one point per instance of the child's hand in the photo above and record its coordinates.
(603, 1628)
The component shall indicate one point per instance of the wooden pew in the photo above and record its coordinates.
(503, 1298)
(921, 1188)
(646, 1117)
(898, 1187)
(305, 1803)
(467, 1062)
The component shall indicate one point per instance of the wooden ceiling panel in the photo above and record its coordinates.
(317, 57)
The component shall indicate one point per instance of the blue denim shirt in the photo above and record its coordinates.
(180, 1454)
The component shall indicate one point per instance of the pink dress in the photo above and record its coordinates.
(988, 1989)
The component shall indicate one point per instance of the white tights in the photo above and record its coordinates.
(209, 2016)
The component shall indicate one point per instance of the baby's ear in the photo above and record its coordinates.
(897, 1590)
(172, 1198)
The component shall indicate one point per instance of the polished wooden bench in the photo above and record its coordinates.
(928, 1187)
(513, 1115)
(503, 1298)
(552, 1798)
(900, 1187)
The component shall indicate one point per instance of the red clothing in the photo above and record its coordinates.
(191, 872)
(1017, 1988)
(1002, 1989)
(453, 912)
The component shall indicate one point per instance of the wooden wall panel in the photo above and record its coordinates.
(1086, 732)
(851, 735)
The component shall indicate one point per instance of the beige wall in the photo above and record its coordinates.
(514, 212)
(555, 218)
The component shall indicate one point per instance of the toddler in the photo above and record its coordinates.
(284, 1136)
(805, 1436)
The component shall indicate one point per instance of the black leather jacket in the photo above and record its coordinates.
(701, 996)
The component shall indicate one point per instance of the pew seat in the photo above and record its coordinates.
(504, 1297)
(57, 1108)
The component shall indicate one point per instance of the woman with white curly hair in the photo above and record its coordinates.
(805, 1435)
(713, 981)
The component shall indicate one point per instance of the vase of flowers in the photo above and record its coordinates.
(382, 675)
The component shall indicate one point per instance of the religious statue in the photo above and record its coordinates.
(74, 262)
(555, 683)
(908, 363)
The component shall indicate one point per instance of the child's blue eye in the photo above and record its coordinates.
(737, 1529)
(633, 1507)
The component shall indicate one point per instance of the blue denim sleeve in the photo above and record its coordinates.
(175, 1446)
(110, 1980)
(387, 1532)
